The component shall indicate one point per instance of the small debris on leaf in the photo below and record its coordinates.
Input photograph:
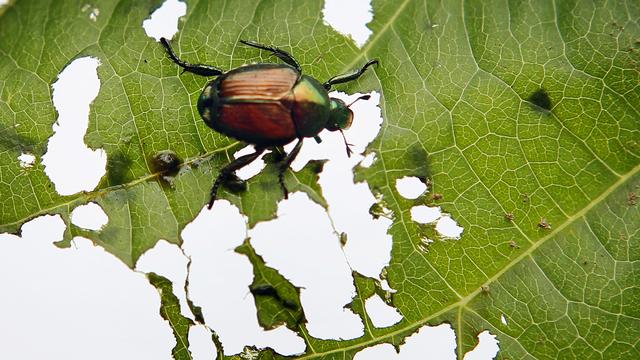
(544, 224)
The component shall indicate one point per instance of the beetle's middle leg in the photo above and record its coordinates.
(339, 79)
(198, 69)
(284, 165)
(226, 171)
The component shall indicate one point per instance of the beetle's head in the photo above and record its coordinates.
(340, 116)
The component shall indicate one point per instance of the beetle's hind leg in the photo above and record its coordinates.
(281, 54)
(284, 165)
(226, 172)
(198, 69)
(339, 79)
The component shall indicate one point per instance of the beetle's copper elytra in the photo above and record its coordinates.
(268, 105)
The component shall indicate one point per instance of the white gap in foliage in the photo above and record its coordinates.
(368, 160)
(69, 163)
(368, 248)
(428, 343)
(487, 347)
(503, 319)
(89, 216)
(302, 246)
(410, 187)
(381, 314)
(26, 160)
(75, 303)
(252, 169)
(425, 214)
(168, 260)
(201, 344)
(350, 18)
(3, 3)
(448, 227)
(219, 282)
(164, 21)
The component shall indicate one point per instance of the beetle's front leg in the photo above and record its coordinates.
(284, 165)
(198, 69)
(339, 79)
(236, 164)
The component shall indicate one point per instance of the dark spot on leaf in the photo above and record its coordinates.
(541, 99)
(166, 162)
(418, 159)
(11, 139)
(316, 165)
(544, 224)
(117, 167)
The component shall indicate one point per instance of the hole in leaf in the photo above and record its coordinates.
(350, 18)
(410, 187)
(487, 347)
(200, 344)
(425, 214)
(27, 160)
(163, 22)
(369, 247)
(448, 227)
(252, 169)
(167, 260)
(89, 216)
(368, 160)
(77, 290)
(381, 314)
(219, 281)
(438, 342)
(503, 319)
(302, 245)
(69, 163)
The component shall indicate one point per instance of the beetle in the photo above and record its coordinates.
(269, 105)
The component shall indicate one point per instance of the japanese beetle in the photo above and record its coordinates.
(268, 105)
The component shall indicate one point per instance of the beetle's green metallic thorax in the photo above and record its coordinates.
(311, 106)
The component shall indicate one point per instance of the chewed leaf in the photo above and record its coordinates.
(518, 122)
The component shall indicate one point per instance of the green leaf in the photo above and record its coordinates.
(530, 108)
(170, 311)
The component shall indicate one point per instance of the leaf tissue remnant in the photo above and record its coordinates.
(541, 99)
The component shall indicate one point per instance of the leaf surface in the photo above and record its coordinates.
(530, 108)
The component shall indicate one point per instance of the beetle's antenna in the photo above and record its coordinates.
(363, 97)
(346, 144)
